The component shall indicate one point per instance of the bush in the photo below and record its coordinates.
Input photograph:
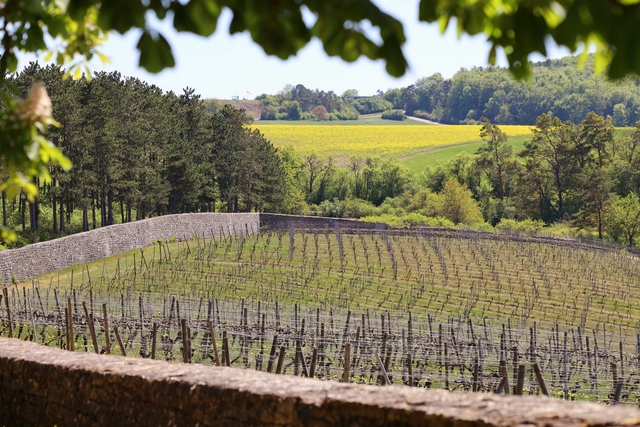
(332, 209)
(527, 226)
(425, 115)
(391, 220)
(410, 220)
(393, 115)
(346, 115)
(356, 208)
(438, 221)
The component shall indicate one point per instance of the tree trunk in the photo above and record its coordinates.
(54, 210)
(22, 209)
(63, 228)
(4, 209)
(103, 208)
(85, 219)
(110, 207)
(122, 212)
(600, 224)
(500, 184)
(32, 217)
(93, 210)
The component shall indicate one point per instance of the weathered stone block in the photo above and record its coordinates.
(70, 389)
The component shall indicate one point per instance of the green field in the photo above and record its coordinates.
(418, 162)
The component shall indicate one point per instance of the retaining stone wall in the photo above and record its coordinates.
(40, 258)
(43, 386)
(278, 222)
(282, 223)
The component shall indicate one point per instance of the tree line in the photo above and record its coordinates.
(582, 178)
(559, 87)
(138, 151)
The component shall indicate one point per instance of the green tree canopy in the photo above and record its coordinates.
(457, 204)
(623, 219)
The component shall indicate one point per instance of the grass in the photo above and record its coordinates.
(418, 162)
(445, 276)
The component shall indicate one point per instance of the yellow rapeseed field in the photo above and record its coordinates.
(344, 141)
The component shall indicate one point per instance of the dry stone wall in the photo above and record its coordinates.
(43, 386)
(278, 222)
(40, 258)
(284, 223)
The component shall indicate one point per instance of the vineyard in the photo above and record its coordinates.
(436, 309)
(394, 140)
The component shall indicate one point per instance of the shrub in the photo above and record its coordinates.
(425, 115)
(331, 209)
(527, 226)
(393, 115)
(410, 220)
(438, 221)
(356, 208)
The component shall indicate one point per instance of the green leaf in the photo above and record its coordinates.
(12, 61)
(492, 55)
(198, 16)
(155, 53)
(77, 9)
(122, 15)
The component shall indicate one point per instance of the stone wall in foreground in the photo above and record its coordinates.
(40, 258)
(43, 386)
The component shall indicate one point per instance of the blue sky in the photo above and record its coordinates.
(223, 66)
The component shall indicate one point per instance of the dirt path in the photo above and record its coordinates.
(429, 122)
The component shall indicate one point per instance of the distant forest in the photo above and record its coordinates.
(558, 87)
